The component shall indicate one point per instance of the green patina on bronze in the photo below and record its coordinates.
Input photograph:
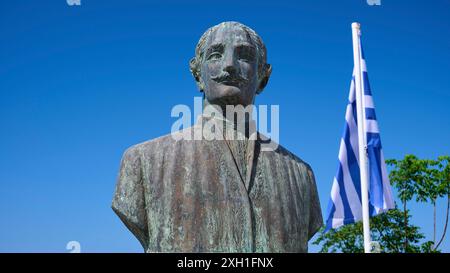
(180, 195)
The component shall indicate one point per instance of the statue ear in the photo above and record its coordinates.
(193, 66)
(267, 70)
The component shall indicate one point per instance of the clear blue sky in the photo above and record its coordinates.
(80, 84)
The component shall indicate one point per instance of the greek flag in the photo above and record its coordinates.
(345, 203)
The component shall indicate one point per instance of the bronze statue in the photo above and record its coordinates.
(178, 194)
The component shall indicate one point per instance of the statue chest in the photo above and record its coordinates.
(197, 200)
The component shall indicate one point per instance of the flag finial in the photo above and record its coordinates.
(356, 25)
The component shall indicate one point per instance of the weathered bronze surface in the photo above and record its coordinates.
(179, 195)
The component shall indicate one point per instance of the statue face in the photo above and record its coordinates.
(230, 68)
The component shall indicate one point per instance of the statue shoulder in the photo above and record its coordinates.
(157, 146)
(289, 156)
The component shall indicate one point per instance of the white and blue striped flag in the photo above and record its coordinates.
(345, 206)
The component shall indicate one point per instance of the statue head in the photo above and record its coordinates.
(230, 64)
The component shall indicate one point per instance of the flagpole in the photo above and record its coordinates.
(356, 33)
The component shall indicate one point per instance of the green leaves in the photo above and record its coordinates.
(405, 175)
(386, 228)
(424, 179)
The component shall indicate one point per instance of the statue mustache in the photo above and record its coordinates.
(225, 76)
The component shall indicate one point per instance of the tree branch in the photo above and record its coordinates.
(434, 224)
(446, 223)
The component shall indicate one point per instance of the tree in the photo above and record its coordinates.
(436, 184)
(426, 181)
(404, 177)
(444, 178)
(386, 228)
(413, 178)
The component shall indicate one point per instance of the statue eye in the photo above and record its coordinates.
(246, 55)
(245, 59)
(214, 56)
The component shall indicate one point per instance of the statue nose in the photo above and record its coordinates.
(230, 64)
(230, 69)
